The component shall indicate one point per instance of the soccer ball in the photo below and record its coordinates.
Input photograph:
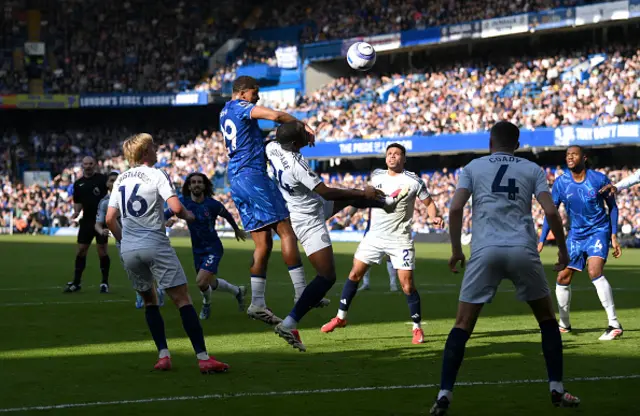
(361, 56)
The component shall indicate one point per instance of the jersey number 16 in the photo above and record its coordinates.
(136, 206)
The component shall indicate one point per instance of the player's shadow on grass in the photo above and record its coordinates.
(98, 323)
(86, 378)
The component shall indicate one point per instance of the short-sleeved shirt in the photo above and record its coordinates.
(502, 186)
(296, 181)
(139, 194)
(88, 191)
(396, 225)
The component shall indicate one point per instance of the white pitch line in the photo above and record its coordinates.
(223, 396)
(64, 302)
(28, 289)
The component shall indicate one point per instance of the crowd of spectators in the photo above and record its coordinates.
(535, 92)
(339, 19)
(37, 206)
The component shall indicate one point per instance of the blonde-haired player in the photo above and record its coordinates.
(390, 234)
(138, 198)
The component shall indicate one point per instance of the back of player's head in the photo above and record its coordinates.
(208, 186)
(113, 173)
(244, 83)
(397, 146)
(505, 135)
(290, 134)
(135, 146)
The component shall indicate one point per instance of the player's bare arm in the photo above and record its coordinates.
(336, 194)
(101, 229)
(179, 210)
(555, 223)
(611, 189)
(112, 223)
(433, 213)
(241, 235)
(456, 210)
(77, 209)
(263, 113)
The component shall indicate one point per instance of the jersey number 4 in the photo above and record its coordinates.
(136, 206)
(511, 187)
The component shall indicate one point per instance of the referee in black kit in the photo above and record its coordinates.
(87, 193)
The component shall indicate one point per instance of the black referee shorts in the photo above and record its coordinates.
(87, 232)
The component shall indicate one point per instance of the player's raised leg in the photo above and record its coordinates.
(349, 291)
(595, 266)
(207, 282)
(323, 262)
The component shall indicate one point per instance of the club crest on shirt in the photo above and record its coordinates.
(96, 191)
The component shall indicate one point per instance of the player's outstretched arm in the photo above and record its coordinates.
(240, 234)
(336, 194)
(456, 210)
(611, 189)
(432, 212)
(554, 221)
(259, 112)
(112, 223)
(179, 210)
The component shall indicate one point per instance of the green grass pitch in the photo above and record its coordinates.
(94, 353)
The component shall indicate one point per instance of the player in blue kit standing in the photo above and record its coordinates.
(197, 197)
(257, 198)
(591, 231)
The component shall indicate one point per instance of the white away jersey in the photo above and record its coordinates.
(396, 225)
(502, 186)
(296, 182)
(139, 195)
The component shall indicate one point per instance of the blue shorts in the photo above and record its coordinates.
(207, 261)
(258, 201)
(594, 245)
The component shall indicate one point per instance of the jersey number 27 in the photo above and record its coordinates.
(511, 187)
(136, 206)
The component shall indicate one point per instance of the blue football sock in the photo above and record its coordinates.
(156, 326)
(552, 349)
(192, 327)
(452, 357)
(313, 293)
(348, 292)
(413, 300)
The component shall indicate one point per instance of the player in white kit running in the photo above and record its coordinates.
(504, 246)
(311, 204)
(390, 234)
(138, 199)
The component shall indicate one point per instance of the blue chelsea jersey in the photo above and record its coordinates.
(243, 139)
(204, 237)
(583, 204)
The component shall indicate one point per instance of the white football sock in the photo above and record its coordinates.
(202, 356)
(206, 295)
(224, 286)
(164, 353)
(342, 314)
(258, 286)
(365, 278)
(557, 386)
(605, 293)
(447, 393)
(289, 322)
(563, 295)
(299, 282)
(416, 325)
(393, 274)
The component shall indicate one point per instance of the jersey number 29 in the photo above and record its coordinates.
(511, 187)
(136, 206)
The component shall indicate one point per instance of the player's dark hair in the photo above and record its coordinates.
(291, 133)
(397, 146)
(244, 83)
(505, 135)
(583, 151)
(208, 186)
(113, 173)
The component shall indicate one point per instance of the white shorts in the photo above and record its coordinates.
(488, 266)
(401, 254)
(145, 265)
(312, 232)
